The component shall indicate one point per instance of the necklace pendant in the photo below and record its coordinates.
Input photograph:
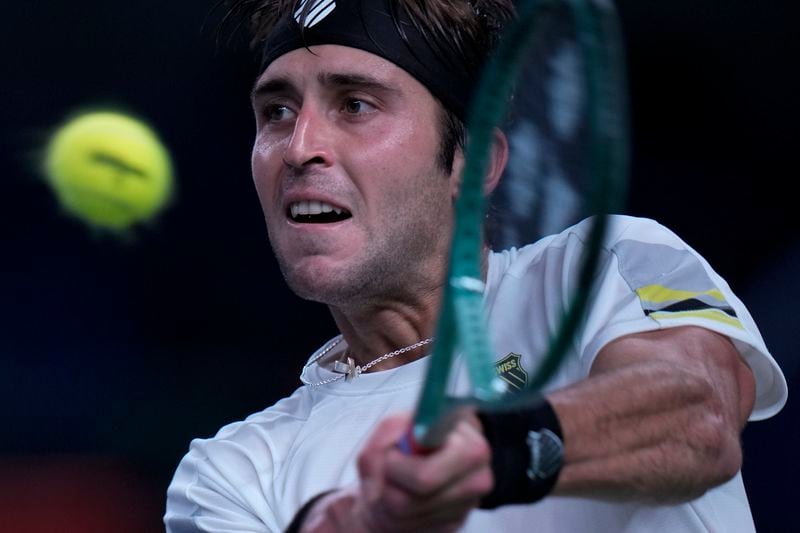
(349, 368)
(341, 367)
(353, 370)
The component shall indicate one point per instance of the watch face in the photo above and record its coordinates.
(547, 454)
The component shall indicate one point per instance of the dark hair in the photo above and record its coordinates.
(454, 134)
(460, 31)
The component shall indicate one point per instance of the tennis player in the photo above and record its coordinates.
(359, 109)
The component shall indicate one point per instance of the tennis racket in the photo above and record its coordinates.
(555, 84)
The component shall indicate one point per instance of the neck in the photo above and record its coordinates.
(372, 329)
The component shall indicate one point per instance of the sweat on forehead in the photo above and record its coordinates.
(378, 27)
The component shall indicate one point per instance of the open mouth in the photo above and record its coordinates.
(316, 212)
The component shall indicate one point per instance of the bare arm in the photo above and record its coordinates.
(659, 418)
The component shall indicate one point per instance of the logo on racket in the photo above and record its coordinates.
(316, 13)
(510, 370)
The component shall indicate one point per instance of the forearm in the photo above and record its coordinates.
(659, 430)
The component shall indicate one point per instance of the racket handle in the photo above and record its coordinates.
(411, 446)
(434, 435)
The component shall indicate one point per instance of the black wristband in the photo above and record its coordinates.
(297, 521)
(527, 452)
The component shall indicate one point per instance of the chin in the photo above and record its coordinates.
(316, 285)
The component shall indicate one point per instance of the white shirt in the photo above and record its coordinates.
(254, 475)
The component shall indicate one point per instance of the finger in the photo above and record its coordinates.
(403, 515)
(465, 451)
(388, 432)
(430, 493)
(452, 503)
(371, 463)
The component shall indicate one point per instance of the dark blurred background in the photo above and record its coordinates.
(115, 353)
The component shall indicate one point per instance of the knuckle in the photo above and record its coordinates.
(730, 461)
(476, 455)
(709, 435)
(482, 449)
(716, 448)
(364, 463)
(482, 483)
(696, 388)
(426, 480)
(472, 446)
(396, 504)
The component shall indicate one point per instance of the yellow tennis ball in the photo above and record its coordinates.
(109, 169)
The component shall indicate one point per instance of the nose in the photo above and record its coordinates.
(310, 143)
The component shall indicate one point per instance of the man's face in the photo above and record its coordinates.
(345, 165)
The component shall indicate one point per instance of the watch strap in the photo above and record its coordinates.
(527, 453)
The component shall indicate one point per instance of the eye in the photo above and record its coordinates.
(356, 106)
(277, 113)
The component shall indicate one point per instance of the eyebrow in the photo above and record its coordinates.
(357, 81)
(277, 85)
(341, 80)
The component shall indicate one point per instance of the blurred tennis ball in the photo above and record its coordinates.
(109, 169)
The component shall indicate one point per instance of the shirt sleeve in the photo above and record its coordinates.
(650, 280)
(216, 488)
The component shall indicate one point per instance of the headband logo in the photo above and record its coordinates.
(317, 12)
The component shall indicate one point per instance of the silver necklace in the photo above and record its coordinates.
(349, 370)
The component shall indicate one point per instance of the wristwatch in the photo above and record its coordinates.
(527, 453)
(547, 454)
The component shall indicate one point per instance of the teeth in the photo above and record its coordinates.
(313, 207)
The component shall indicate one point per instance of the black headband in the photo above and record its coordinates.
(376, 27)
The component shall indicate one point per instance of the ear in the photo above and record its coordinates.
(498, 157)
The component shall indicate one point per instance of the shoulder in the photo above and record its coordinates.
(647, 278)
(664, 283)
(559, 252)
(263, 434)
(622, 228)
(227, 471)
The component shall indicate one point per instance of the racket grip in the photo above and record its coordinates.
(411, 446)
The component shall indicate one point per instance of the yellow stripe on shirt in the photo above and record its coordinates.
(660, 294)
